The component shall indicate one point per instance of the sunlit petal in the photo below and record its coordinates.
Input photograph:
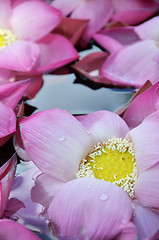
(56, 142)
(28, 24)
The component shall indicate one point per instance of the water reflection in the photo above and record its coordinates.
(59, 91)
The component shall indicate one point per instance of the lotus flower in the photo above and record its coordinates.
(26, 44)
(99, 12)
(75, 153)
(129, 46)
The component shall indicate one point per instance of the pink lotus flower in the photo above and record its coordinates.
(134, 51)
(99, 12)
(26, 44)
(12, 230)
(66, 149)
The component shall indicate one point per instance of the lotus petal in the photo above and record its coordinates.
(55, 51)
(16, 231)
(104, 125)
(120, 67)
(56, 142)
(145, 139)
(7, 172)
(31, 25)
(146, 187)
(146, 220)
(11, 93)
(7, 120)
(19, 56)
(82, 209)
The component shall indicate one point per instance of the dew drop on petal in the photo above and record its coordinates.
(61, 138)
(88, 186)
(103, 197)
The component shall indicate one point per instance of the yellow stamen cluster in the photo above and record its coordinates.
(6, 37)
(112, 161)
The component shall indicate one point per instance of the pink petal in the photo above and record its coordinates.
(133, 12)
(148, 29)
(146, 220)
(66, 6)
(113, 38)
(72, 29)
(7, 172)
(28, 24)
(11, 93)
(89, 208)
(121, 67)
(23, 184)
(35, 86)
(146, 187)
(90, 65)
(56, 142)
(55, 51)
(144, 87)
(156, 57)
(44, 189)
(6, 76)
(5, 12)
(16, 231)
(98, 11)
(104, 125)
(108, 43)
(137, 111)
(7, 120)
(145, 139)
(19, 56)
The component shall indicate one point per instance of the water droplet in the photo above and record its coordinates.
(61, 138)
(88, 186)
(103, 197)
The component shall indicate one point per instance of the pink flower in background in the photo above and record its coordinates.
(99, 12)
(12, 230)
(26, 44)
(60, 145)
(133, 53)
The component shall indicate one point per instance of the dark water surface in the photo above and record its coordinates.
(60, 91)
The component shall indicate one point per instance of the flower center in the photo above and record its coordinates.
(6, 37)
(112, 161)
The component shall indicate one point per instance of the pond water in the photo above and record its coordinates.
(60, 91)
